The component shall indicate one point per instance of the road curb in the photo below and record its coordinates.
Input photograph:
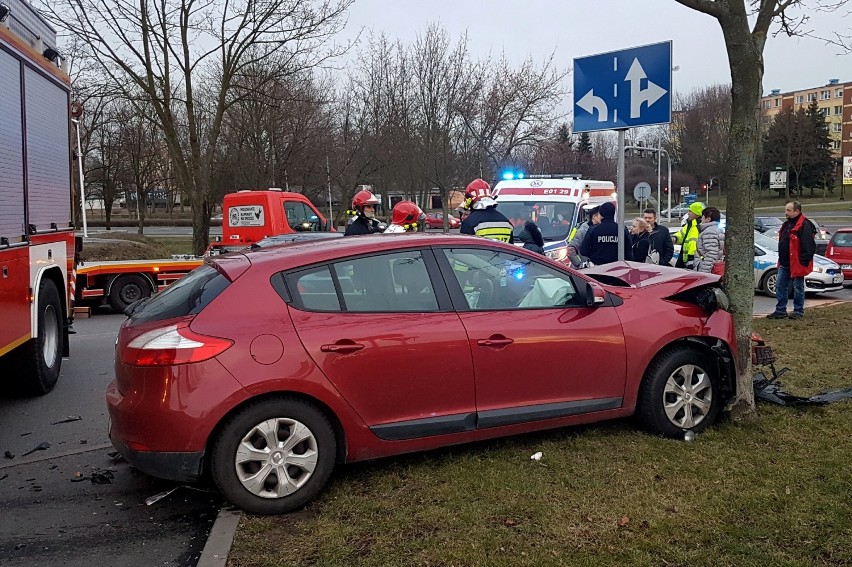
(218, 546)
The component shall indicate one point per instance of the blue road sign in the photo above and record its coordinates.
(622, 89)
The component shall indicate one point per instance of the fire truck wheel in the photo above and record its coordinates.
(128, 289)
(43, 355)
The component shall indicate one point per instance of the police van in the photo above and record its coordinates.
(554, 202)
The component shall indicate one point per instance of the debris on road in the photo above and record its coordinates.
(97, 477)
(68, 419)
(4, 477)
(43, 446)
(157, 497)
(536, 456)
(9, 455)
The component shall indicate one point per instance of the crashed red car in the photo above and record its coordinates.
(265, 369)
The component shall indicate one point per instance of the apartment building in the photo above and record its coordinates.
(834, 100)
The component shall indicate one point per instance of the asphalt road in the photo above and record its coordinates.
(75, 503)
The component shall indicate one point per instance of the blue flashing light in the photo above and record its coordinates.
(519, 274)
(508, 175)
(520, 175)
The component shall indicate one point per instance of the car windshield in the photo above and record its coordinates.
(553, 218)
(769, 243)
(771, 221)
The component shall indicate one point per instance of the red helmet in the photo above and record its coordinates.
(406, 214)
(362, 198)
(476, 190)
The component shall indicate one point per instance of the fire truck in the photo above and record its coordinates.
(249, 216)
(37, 243)
(554, 202)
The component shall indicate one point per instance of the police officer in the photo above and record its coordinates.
(484, 219)
(364, 206)
(600, 244)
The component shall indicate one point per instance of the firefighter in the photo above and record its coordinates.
(687, 236)
(364, 208)
(406, 217)
(484, 219)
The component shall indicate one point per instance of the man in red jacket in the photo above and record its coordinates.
(796, 249)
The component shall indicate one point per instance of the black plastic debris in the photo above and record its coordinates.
(4, 477)
(43, 446)
(97, 477)
(9, 455)
(68, 419)
(768, 388)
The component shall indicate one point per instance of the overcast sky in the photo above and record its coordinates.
(575, 28)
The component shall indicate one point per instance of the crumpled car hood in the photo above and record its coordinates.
(638, 275)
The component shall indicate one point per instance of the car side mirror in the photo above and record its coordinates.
(595, 294)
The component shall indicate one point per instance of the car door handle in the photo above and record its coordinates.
(495, 341)
(342, 348)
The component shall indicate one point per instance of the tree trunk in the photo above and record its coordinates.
(746, 65)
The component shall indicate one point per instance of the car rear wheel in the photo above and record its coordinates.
(680, 392)
(274, 456)
(126, 290)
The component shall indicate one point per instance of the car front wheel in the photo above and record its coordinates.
(770, 281)
(680, 392)
(274, 456)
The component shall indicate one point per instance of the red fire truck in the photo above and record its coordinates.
(37, 244)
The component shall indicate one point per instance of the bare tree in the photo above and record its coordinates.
(746, 27)
(183, 57)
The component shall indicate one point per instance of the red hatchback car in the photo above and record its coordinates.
(436, 220)
(839, 250)
(264, 369)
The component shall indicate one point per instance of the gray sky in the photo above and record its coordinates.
(575, 28)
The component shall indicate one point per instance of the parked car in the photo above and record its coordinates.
(264, 369)
(436, 220)
(762, 224)
(677, 212)
(825, 277)
(839, 250)
(821, 237)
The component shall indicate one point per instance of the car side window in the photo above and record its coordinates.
(300, 216)
(386, 283)
(314, 290)
(499, 281)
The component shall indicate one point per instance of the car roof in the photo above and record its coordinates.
(314, 251)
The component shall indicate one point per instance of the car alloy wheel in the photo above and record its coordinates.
(687, 396)
(274, 456)
(770, 283)
(679, 393)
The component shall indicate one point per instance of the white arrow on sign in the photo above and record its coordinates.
(590, 102)
(638, 95)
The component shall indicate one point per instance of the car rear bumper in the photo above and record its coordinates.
(179, 467)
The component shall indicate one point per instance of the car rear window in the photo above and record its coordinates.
(188, 296)
(842, 239)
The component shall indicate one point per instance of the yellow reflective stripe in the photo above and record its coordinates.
(496, 233)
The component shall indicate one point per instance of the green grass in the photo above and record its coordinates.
(774, 490)
(130, 246)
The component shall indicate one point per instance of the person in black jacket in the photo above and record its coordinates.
(600, 244)
(364, 207)
(640, 239)
(532, 238)
(661, 239)
(484, 219)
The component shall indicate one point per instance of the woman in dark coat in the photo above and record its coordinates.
(640, 236)
(532, 238)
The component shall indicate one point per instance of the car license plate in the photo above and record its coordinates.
(846, 266)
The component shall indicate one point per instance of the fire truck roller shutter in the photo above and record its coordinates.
(48, 152)
(11, 150)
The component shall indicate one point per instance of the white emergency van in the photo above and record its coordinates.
(554, 202)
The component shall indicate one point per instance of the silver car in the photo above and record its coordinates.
(825, 277)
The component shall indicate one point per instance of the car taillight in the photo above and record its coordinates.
(171, 345)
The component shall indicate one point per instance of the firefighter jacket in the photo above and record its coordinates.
(489, 223)
(362, 225)
(796, 246)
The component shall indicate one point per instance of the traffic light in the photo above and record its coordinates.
(666, 190)
(704, 187)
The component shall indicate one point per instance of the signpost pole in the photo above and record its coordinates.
(620, 211)
(659, 161)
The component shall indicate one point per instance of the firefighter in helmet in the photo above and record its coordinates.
(406, 217)
(364, 208)
(484, 219)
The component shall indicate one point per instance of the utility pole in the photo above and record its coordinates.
(328, 179)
